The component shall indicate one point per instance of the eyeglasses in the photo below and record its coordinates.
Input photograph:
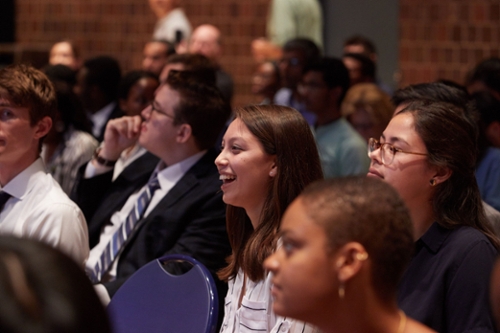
(157, 109)
(387, 151)
(291, 61)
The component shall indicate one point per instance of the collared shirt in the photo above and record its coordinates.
(446, 285)
(40, 210)
(100, 118)
(343, 152)
(126, 158)
(256, 311)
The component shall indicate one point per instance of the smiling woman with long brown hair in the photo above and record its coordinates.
(268, 156)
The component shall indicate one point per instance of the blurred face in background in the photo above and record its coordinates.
(205, 41)
(63, 54)
(154, 57)
(265, 81)
(140, 95)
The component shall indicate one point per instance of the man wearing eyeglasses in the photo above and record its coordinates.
(341, 149)
(158, 208)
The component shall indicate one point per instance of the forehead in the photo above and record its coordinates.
(297, 221)
(155, 47)
(315, 76)
(62, 47)
(165, 95)
(238, 128)
(402, 126)
(354, 48)
(294, 54)
(206, 34)
(6, 99)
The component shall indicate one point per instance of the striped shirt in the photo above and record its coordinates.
(255, 313)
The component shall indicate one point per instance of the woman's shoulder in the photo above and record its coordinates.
(467, 244)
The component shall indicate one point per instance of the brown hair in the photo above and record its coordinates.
(283, 132)
(28, 87)
(201, 106)
(371, 98)
(450, 137)
(370, 212)
(43, 290)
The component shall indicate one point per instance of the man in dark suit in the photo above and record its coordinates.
(185, 213)
(96, 85)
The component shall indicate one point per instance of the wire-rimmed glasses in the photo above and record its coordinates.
(387, 150)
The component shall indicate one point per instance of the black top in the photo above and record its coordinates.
(447, 282)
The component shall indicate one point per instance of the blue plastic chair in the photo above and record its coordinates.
(153, 300)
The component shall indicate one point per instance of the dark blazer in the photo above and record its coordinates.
(116, 113)
(189, 220)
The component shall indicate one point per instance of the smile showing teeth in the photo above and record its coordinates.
(226, 177)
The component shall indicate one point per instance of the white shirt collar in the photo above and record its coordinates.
(18, 186)
(169, 176)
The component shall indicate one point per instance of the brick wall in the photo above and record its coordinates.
(121, 27)
(438, 38)
(444, 39)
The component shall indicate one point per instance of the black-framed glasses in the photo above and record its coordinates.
(387, 151)
(157, 109)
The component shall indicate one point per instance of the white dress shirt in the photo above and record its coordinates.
(40, 210)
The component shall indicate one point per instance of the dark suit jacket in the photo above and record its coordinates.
(189, 220)
(116, 113)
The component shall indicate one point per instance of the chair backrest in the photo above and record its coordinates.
(153, 300)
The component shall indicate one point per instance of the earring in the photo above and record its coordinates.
(272, 173)
(341, 290)
(432, 182)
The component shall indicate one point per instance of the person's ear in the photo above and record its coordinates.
(441, 175)
(349, 260)
(43, 127)
(274, 169)
(184, 132)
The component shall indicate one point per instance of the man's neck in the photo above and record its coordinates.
(327, 117)
(9, 171)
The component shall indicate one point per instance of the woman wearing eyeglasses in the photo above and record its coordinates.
(428, 154)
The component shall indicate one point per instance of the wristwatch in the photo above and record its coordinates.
(102, 161)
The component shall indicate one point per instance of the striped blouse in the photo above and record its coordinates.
(255, 313)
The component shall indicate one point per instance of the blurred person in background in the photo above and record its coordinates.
(155, 55)
(368, 109)
(266, 82)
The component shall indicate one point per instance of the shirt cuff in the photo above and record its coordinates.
(102, 293)
(93, 170)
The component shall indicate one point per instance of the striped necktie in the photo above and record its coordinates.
(121, 235)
